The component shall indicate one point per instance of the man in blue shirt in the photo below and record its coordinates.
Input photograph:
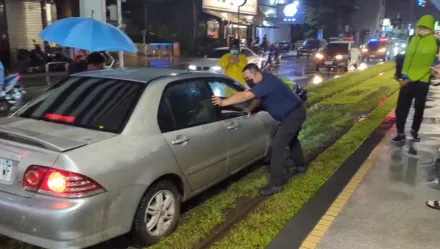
(284, 106)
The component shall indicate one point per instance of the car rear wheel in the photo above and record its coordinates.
(157, 214)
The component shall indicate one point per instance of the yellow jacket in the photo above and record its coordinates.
(233, 70)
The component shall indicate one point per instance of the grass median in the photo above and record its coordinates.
(263, 224)
(327, 121)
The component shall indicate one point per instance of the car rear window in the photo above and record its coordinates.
(92, 103)
(311, 44)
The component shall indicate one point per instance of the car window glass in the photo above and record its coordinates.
(189, 103)
(247, 52)
(165, 117)
(92, 103)
(224, 88)
(217, 53)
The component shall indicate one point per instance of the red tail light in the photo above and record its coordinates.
(58, 117)
(60, 183)
(18, 76)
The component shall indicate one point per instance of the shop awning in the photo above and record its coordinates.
(231, 17)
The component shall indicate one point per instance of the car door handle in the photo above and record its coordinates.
(232, 126)
(180, 140)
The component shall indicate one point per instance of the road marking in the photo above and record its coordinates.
(318, 232)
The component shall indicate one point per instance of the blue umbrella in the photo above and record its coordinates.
(88, 34)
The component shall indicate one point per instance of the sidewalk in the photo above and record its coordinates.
(383, 206)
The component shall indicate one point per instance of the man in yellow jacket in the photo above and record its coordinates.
(232, 64)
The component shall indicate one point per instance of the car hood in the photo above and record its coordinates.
(58, 137)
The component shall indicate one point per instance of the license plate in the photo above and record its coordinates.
(372, 56)
(5, 169)
(329, 62)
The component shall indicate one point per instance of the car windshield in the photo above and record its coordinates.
(311, 44)
(217, 53)
(92, 103)
(375, 44)
(337, 47)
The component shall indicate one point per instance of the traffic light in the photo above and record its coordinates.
(421, 3)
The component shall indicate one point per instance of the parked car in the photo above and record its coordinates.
(376, 49)
(210, 61)
(104, 153)
(310, 47)
(338, 54)
(284, 46)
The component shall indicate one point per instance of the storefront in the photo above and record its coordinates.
(272, 20)
(228, 19)
(22, 21)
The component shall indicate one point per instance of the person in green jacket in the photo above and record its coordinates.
(420, 55)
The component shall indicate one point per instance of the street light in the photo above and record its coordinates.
(240, 4)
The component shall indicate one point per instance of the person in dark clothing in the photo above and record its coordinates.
(284, 106)
(95, 61)
(420, 55)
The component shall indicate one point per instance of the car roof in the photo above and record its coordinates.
(142, 74)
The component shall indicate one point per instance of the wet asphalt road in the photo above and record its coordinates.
(301, 70)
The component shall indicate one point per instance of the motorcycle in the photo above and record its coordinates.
(266, 62)
(36, 59)
(11, 93)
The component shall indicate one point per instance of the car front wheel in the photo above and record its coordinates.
(157, 214)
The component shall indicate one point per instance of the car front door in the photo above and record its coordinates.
(196, 136)
(247, 136)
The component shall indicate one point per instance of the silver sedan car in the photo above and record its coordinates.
(101, 154)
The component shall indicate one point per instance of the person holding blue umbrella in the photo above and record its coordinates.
(88, 34)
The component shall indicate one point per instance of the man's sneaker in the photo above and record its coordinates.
(398, 138)
(270, 190)
(301, 170)
(415, 135)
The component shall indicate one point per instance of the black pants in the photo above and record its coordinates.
(286, 135)
(413, 90)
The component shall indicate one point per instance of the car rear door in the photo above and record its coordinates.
(196, 136)
(247, 136)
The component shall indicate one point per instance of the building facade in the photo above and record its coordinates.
(22, 20)
(367, 19)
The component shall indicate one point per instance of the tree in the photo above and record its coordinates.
(325, 11)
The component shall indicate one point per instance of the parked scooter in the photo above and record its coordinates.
(35, 60)
(11, 93)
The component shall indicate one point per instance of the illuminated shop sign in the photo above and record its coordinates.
(292, 12)
(250, 8)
